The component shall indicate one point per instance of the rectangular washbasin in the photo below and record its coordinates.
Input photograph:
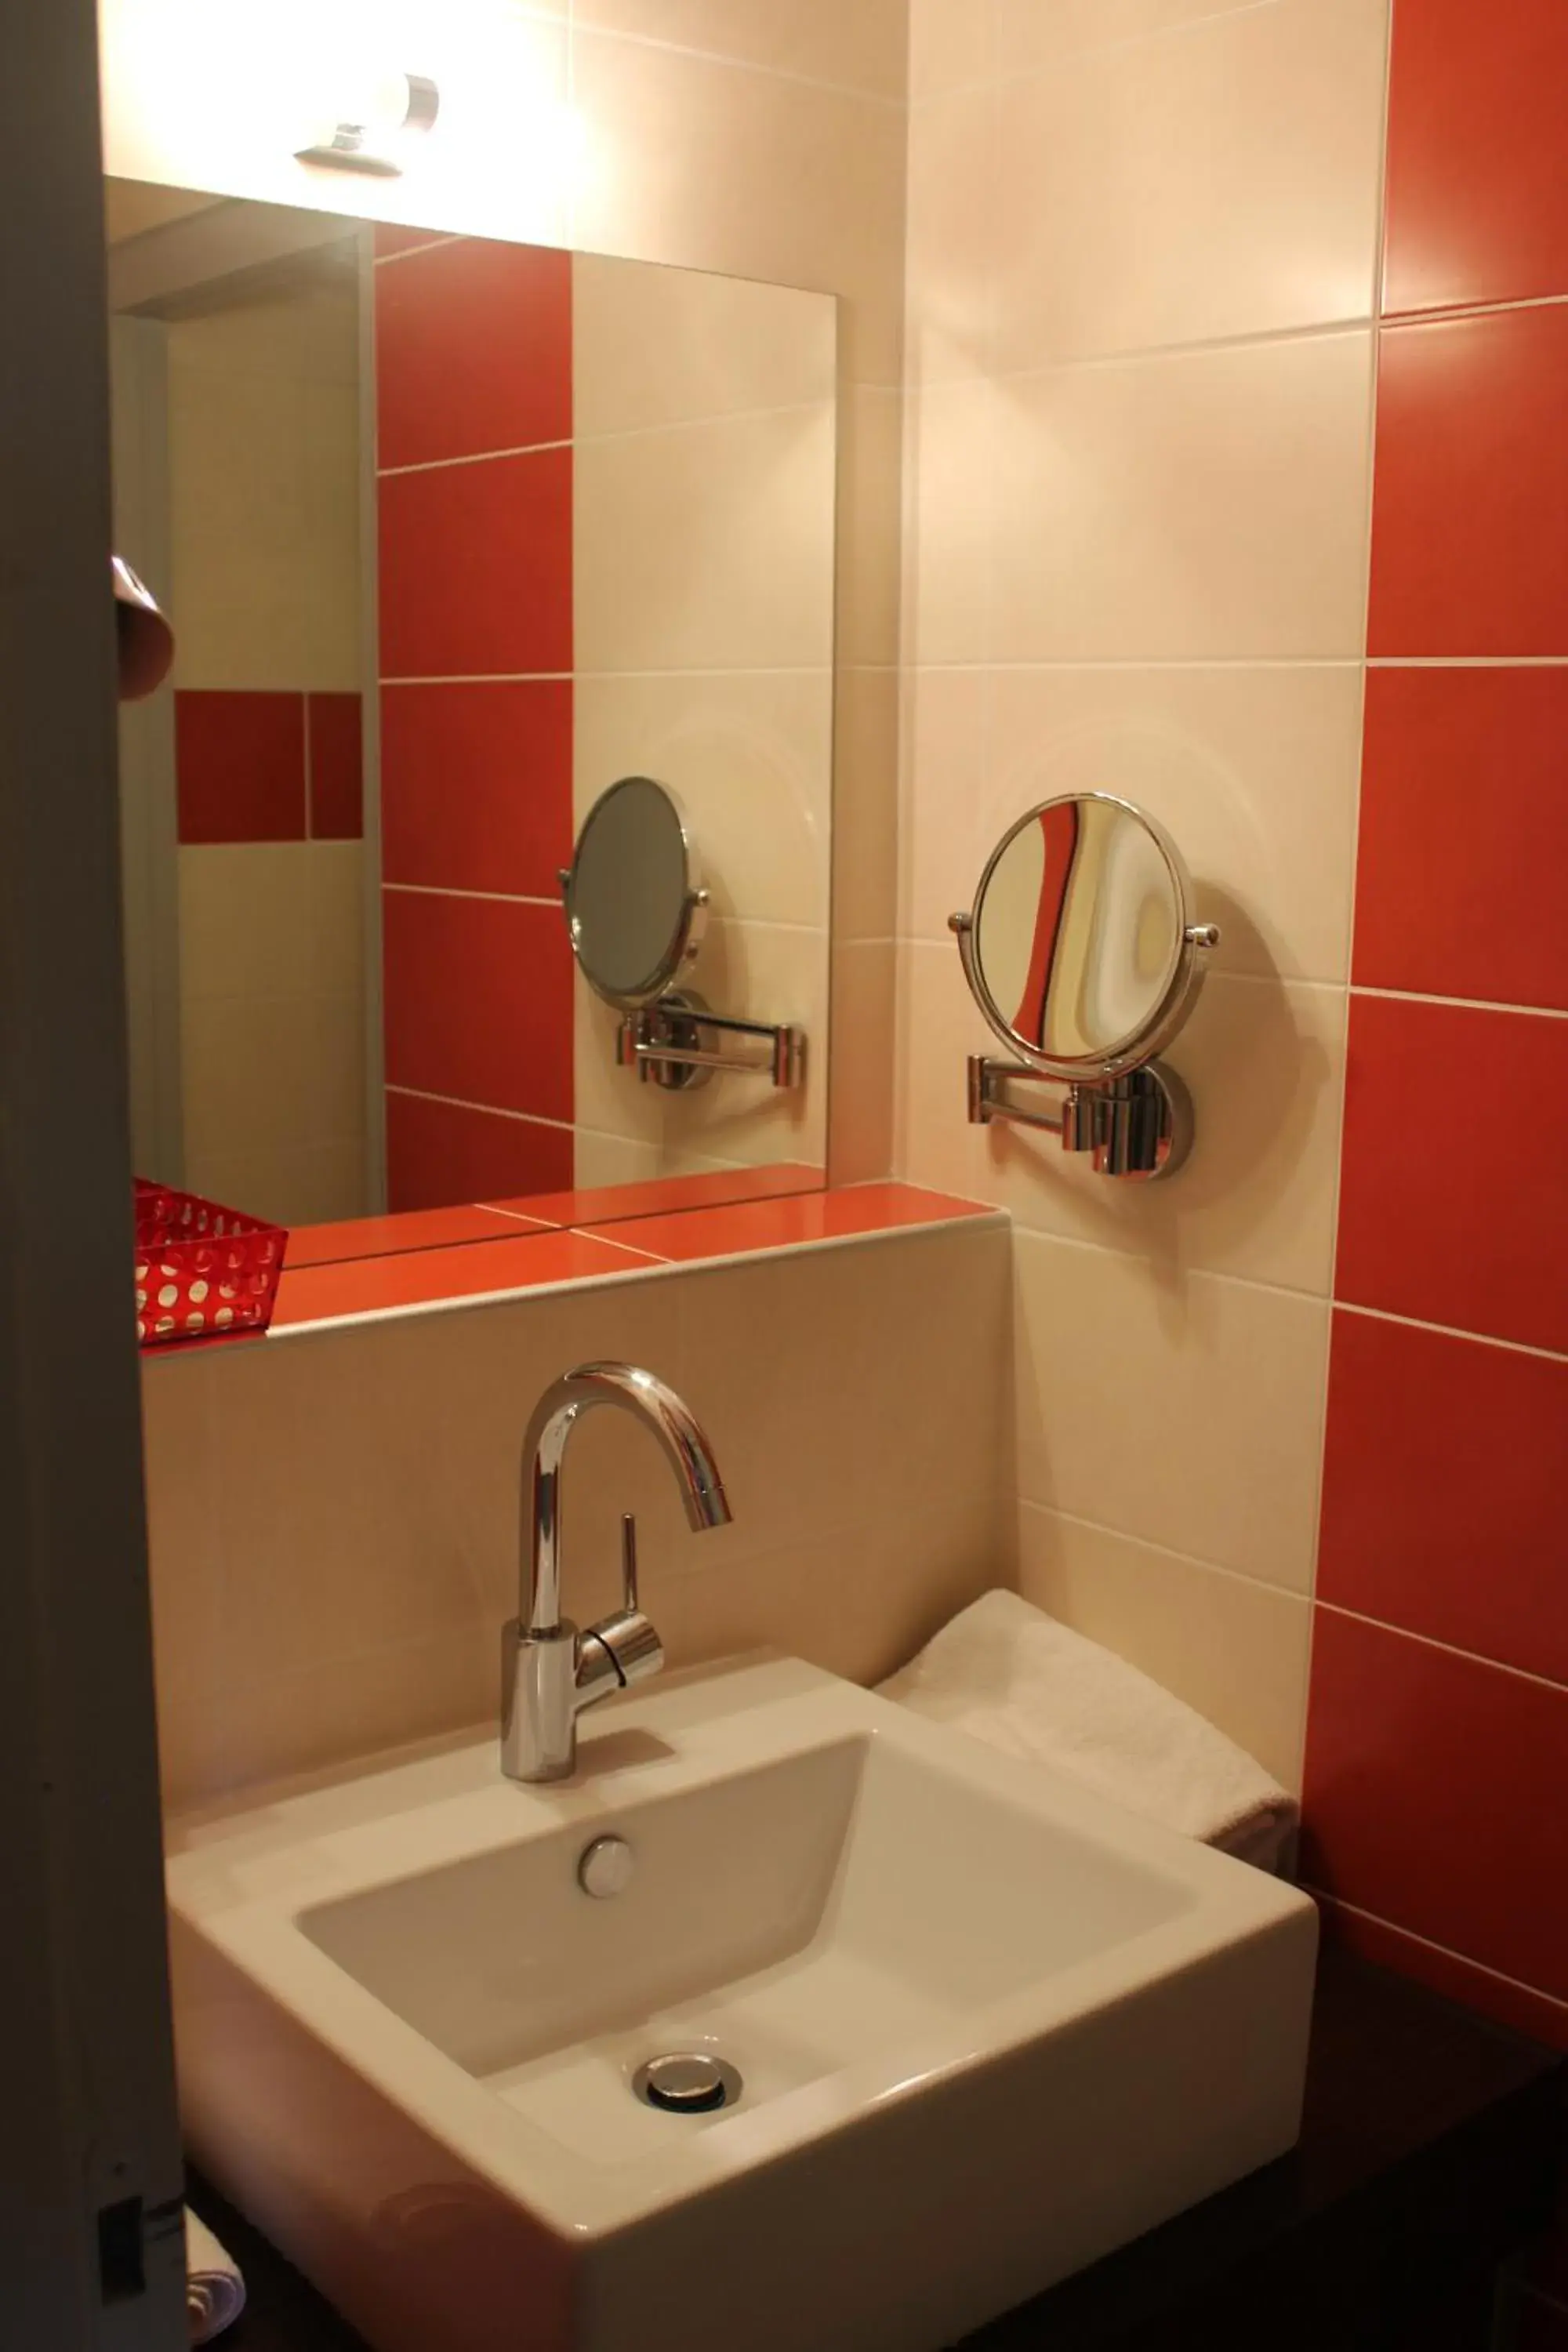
(966, 2027)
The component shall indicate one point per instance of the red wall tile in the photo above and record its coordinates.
(476, 785)
(473, 350)
(1441, 1483)
(1430, 1797)
(1470, 542)
(1463, 835)
(1478, 197)
(1451, 1192)
(1495, 1996)
(478, 1006)
(439, 1153)
(476, 568)
(336, 725)
(239, 763)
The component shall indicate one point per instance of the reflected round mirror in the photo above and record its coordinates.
(634, 904)
(1080, 948)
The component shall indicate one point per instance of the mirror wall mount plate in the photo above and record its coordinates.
(636, 912)
(1083, 955)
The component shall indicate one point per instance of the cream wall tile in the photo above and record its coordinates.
(1185, 1409)
(863, 48)
(948, 813)
(178, 1427)
(1222, 181)
(301, 1184)
(866, 804)
(870, 488)
(337, 1541)
(1255, 772)
(950, 524)
(325, 1715)
(708, 546)
(612, 1159)
(267, 1073)
(951, 42)
(749, 758)
(1234, 1650)
(1030, 33)
(812, 182)
(334, 893)
(246, 922)
(865, 1026)
(663, 347)
(1211, 505)
(956, 235)
(1265, 1064)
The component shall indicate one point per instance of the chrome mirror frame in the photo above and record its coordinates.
(1132, 1115)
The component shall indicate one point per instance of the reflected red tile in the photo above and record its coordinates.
(475, 568)
(478, 1006)
(473, 350)
(389, 1237)
(440, 1154)
(1470, 542)
(373, 1285)
(335, 731)
(239, 765)
(663, 1195)
(1443, 1972)
(1463, 784)
(1456, 1138)
(784, 1223)
(1441, 1479)
(1478, 198)
(1429, 1797)
(476, 785)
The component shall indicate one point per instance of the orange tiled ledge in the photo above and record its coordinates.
(439, 1266)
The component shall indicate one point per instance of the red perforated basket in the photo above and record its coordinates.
(202, 1272)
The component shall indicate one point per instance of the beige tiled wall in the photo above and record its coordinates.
(1142, 239)
(758, 138)
(264, 435)
(334, 1515)
(702, 591)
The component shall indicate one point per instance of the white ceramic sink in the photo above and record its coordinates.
(986, 2028)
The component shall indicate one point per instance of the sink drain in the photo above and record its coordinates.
(687, 2083)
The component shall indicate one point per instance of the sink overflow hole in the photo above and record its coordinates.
(687, 2083)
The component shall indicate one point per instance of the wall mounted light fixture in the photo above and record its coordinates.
(379, 128)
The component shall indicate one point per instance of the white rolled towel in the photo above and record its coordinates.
(1007, 1673)
(215, 2292)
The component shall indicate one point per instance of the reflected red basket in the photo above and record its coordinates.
(202, 1272)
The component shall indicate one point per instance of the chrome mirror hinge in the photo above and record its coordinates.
(1137, 1124)
(663, 1042)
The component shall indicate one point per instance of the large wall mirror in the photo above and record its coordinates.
(456, 535)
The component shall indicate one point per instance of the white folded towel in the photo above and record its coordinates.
(215, 2292)
(1009, 1675)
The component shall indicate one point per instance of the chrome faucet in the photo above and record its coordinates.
(549, 1671)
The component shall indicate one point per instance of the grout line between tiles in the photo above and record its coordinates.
(1428, 1943)
(1445, 314)
(1467, 661)
(893, 101)
(491, 1110)
(474, 458)
(1451, 1331)
(1298, 1594)
(1462, 1004)
(490, 898)
(1448, 1649)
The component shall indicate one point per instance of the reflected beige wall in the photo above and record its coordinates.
(263, 442)
(702, 567)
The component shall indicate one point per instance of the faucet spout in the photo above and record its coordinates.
(649, 1401)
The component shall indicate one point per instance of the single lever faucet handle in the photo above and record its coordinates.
(629, 1561)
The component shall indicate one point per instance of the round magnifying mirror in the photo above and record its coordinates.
(1081, 948)
(634, 904)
